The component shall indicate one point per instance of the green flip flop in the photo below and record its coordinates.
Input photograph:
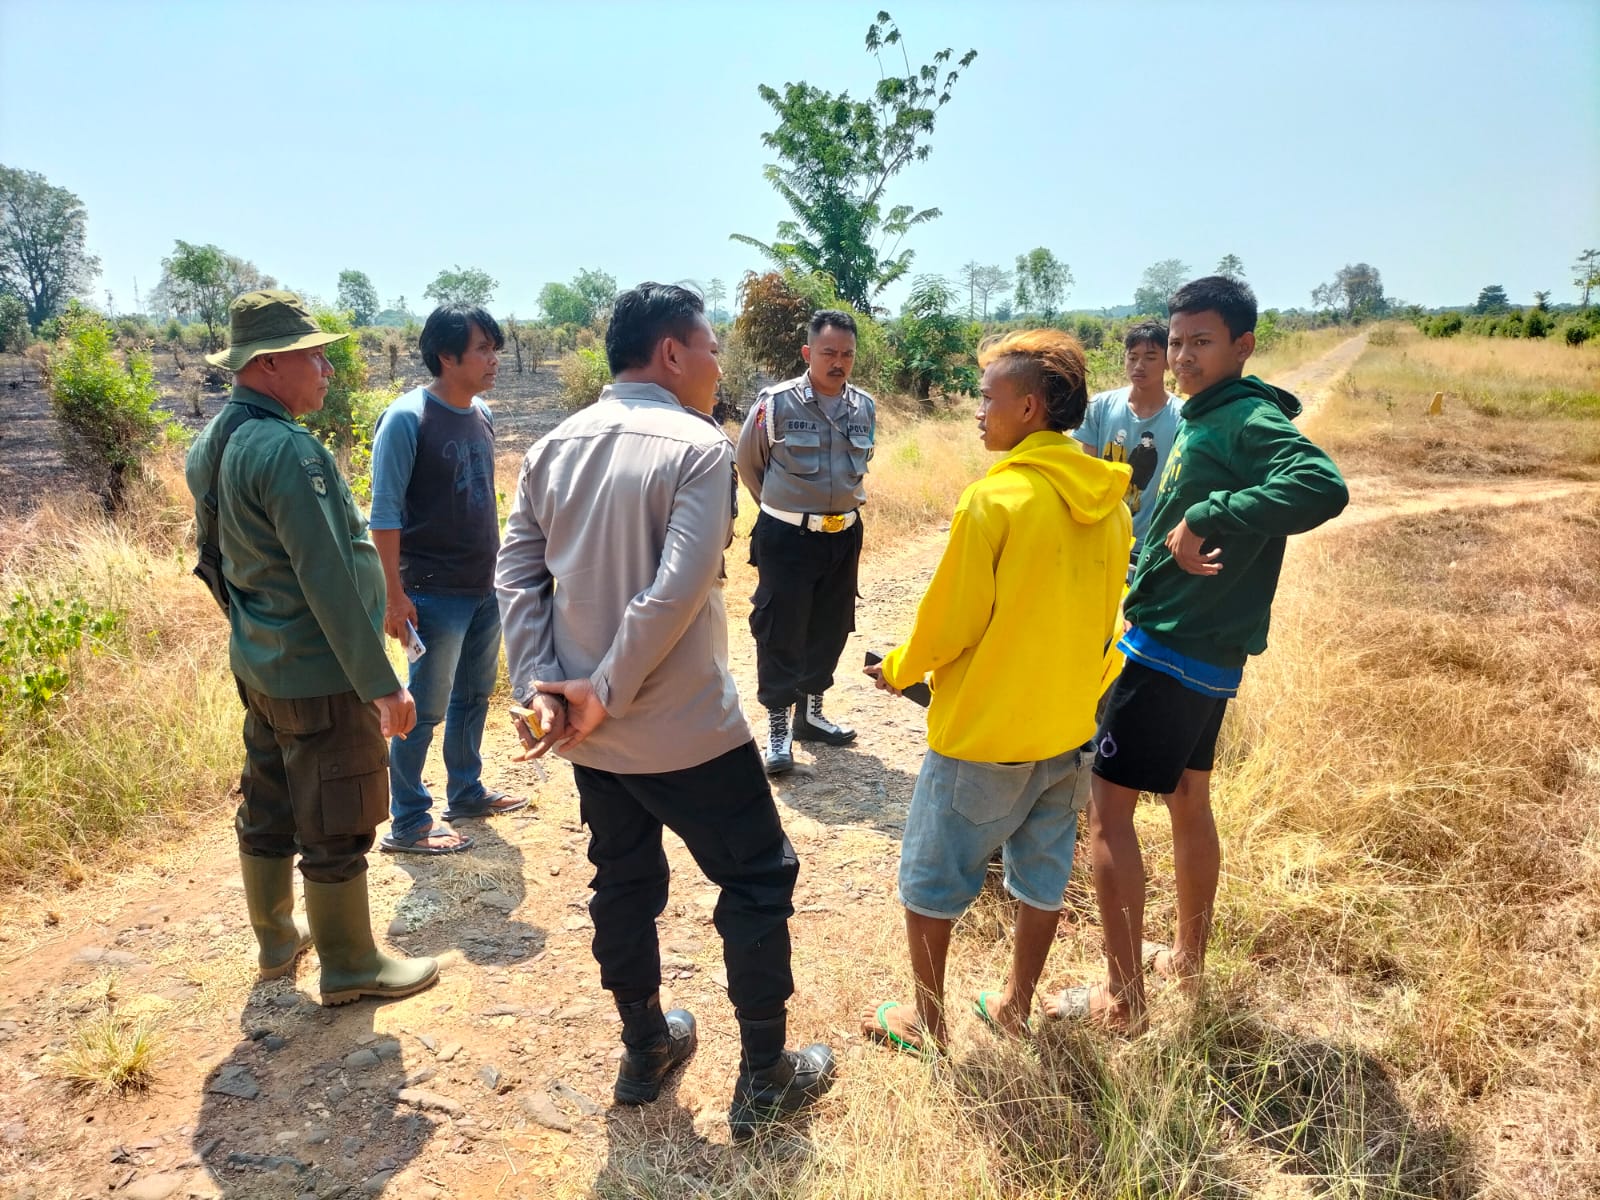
(889, 1037)
(981, 1007)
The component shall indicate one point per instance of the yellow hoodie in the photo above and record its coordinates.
(1019, 623)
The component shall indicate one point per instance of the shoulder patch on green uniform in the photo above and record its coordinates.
(314, 472)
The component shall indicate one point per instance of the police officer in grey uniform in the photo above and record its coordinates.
(803, 454)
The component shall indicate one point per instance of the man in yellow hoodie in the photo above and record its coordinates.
(1017, 629)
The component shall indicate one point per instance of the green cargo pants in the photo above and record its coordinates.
(315, 781)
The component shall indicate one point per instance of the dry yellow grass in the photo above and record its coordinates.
(1293, 349)
(148, 730)
(1511, 408)
(1406, 986)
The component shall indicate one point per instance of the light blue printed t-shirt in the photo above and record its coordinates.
(1112, 431)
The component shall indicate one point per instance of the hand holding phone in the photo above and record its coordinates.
(918, 693)
(413, 644)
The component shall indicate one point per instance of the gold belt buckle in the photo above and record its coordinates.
(833, 524)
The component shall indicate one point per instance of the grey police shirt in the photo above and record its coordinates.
(794, 456)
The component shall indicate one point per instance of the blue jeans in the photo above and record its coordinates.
(452, 683)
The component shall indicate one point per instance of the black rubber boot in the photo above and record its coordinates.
(773, 1082)
(656, 1043)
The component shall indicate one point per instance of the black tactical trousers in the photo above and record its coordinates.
(804, 607)
(315, 780)
(723, 811)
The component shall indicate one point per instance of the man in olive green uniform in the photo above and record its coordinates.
(304, 591)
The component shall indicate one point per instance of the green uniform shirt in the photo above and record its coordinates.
(305, 582)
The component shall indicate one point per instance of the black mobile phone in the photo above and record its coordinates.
(917, 693)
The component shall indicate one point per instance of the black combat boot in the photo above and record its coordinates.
(778, 758)
(656, 1043)
(773, 1082)
(810, 725)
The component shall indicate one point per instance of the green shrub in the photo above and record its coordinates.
(334, 421)
(106, 409)
(1268, 330)
(584, 374)
(1537, 324)
(1577, 335)
(136, 329)
(1091, 332)
(14, 331)
(934, 347)
(39, 645)
(365, 409)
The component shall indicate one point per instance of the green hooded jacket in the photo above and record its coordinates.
(1244, 478)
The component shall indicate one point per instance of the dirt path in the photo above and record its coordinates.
(1312, 381)
(496, 1081)
(261, 1093)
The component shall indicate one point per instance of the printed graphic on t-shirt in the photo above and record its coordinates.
(1116, 450)
(474, 468)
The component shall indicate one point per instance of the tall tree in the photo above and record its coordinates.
(836, 157)
(1492, 299)
(598, 290)
(1157, 284)
(993, 280)
(1043, 282)
(199, 282)
(358, 297)
(562, 305)
(1588, 273)
(1357, 288)
(1230, 267)
(716, 292)
(1541, 301)
(43, 231)
(462, 285)
(982, 282)
(969, 280)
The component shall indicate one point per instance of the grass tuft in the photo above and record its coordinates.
(110, 1053)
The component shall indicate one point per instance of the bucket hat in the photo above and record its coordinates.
(269, 322)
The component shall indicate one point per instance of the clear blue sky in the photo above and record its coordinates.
(1450, 144)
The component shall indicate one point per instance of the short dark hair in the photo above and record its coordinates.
(839, 319)
(1153, 333)
(643, 315)
(448, 329)
(1230, 299)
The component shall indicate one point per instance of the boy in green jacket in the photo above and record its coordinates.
(1240, 479)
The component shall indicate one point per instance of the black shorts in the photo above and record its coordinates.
(1154, 729)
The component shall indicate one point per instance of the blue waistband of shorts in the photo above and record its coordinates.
(1199, 676)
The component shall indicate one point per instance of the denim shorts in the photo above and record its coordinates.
(962, 812)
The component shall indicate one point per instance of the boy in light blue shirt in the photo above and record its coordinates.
(1136, 424)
